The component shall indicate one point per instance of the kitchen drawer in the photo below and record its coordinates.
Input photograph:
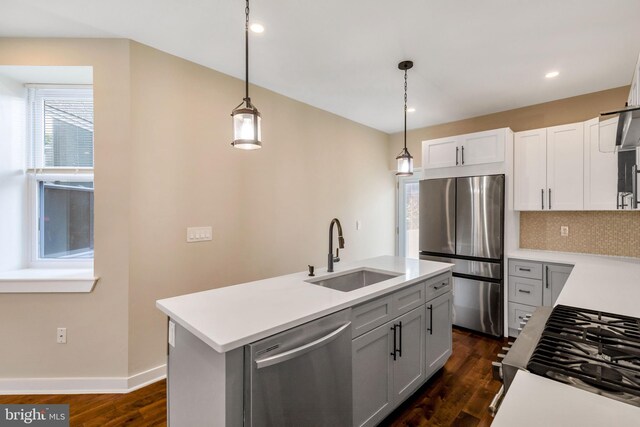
(370, 315)
(525, 291)
(517, 313)
(405, 300)
(528, 269)
(438, 285)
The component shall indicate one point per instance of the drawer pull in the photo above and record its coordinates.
(524, 269)
(523, 291)
(520, 317)
(435, 287)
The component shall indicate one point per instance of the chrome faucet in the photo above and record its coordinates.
(331, 258)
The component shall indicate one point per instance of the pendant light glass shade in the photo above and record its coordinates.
(405, 163)
(246, 128)
(246, 118)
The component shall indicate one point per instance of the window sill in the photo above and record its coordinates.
(49, 280)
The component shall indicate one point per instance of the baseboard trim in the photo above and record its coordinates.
(91, 385)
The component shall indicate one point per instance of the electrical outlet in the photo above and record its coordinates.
(199, 234)
(61, 335)
(564, 231)
(172, 333)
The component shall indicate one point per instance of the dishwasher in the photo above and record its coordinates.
(302, 376)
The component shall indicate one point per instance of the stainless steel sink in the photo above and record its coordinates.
(353, 280)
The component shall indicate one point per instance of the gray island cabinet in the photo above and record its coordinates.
(383, 349)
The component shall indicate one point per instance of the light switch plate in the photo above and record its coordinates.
(564, 231)
(199, 234)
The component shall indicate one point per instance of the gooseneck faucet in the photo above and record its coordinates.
(331, 258)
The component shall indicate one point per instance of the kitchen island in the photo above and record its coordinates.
(602, 283)
(208, 330)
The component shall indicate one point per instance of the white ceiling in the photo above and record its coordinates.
(471, 57)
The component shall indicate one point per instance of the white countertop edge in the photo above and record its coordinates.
(542, 255)
(534, 401)
(47, 281)
(247, 339)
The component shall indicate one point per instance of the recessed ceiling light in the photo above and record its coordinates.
(552, 74)
(257, 28)
(411, 110)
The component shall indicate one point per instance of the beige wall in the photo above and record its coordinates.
(540, 230)
(96, 322)
(607, 233)
(163, 162)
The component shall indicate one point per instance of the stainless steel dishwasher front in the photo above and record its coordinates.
(302, 376)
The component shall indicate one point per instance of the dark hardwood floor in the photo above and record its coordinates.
(458, 395)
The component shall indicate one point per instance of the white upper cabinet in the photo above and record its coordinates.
(565, 163)
(482, 147)
(600, 169)
(548, 168)
(440, 153)
(530, 170)
(464, 150)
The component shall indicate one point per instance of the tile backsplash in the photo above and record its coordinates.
(604, 233)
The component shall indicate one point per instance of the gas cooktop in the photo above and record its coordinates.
(592, 350)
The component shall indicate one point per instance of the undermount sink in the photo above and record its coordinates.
(352, 280)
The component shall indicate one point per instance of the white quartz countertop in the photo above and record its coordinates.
(534, 401)
(230, 317)
(604, 283)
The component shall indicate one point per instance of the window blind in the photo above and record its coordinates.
(61, 128)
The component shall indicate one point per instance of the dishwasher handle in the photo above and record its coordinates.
(299, 351)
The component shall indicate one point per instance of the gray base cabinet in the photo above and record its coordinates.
(532, 284)
(439, 335)
(380, 383)
(394, 359)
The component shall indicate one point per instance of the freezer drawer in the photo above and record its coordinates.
(477, 305)
(487, 269)
(438, 215)
(301, 377)
(479, 216)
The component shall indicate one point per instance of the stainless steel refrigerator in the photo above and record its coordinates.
(462, 222)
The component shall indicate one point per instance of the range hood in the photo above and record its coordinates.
(627, 133)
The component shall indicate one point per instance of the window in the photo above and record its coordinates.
(408, 216)
(61, 172)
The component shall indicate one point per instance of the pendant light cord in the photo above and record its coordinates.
(405, 109)
(246, 53)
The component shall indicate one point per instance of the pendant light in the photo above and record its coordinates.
(246, 118)
(404, 159)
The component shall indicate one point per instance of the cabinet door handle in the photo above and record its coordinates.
(523, 291)
(395, 338)
(549, 199)
(463, 154)
(542, 197)
(400, 339)
(546, 273)
(430, 328)
(457, 155)
(634, 184)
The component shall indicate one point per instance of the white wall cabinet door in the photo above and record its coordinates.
(439, 318)
(530, 170)
(565, 167)
(482, 147)
(600, 169)
(409, 366)
(440, 153)
(372, 376)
